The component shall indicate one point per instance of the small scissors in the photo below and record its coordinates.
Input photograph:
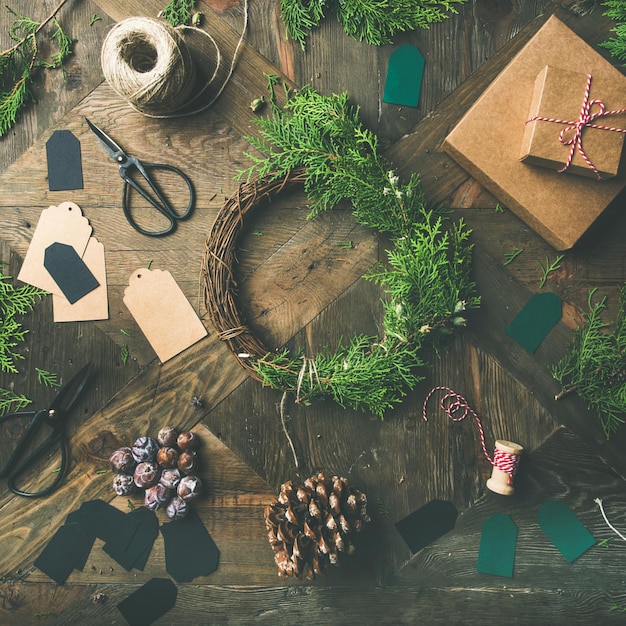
(154, 195)
(16, 466)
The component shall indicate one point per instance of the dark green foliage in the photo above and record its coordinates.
(616, 10)
(178, 12)
(20, 61)
(14, 301)
(427, 279)
(375, 21)
(595, 365)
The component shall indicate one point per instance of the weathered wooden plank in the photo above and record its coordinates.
(565, 469)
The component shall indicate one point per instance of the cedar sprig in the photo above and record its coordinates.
(325, 135)
(374, 21)
(11, 401)
(595, 364)
(366, 374)
(616, 45)
(19, 62)
(427, 281)
(14, 301)
(178, 12)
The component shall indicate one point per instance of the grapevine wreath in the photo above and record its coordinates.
(318, 142)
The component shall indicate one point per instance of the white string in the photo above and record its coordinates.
(599, 503)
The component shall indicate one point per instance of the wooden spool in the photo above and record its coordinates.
(500, 482)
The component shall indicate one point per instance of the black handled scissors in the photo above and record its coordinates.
(152, 193)
(17, 465)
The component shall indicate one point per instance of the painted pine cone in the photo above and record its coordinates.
(311, 525)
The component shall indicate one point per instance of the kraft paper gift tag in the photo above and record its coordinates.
(57, 224)
(93, 306)
(162, 312)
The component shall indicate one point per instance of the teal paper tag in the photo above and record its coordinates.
(565, 530)
(538, 317)
(404, 77)
(497, 546)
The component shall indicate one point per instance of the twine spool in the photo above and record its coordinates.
(501, 480)
(149, 65)
(506, 455)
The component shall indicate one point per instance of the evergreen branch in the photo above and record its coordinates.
(10, 401)
(509, 257)
(18, 62)
(49, 379)
(616, 10)
(178, 12)
(595, 364)
(13, 301)
(548, 268)
(375, 21)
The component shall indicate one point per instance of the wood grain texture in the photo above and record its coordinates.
(298, 286)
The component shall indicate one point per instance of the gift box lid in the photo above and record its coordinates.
(559, 97)
(486, 141)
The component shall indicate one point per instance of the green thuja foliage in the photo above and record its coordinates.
(19, 63)
(14, 302)
(375, 21)
(427, 277)
(178, 12)
(595, 364)
(616, 45)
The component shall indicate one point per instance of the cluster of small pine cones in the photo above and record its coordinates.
(311, 525)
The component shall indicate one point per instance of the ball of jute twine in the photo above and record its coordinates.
(148, 63)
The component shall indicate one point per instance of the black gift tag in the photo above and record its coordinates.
(149, 602)
(189, 549)
(69, 271)
(68, 548)
(136, 553)
(104, 521)
(428, 523)
(65, 170)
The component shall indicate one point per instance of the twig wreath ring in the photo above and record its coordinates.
(318, 141)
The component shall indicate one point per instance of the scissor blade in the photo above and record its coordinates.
(109, 144)
(70, 392)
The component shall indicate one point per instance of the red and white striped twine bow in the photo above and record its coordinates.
(457, 409)
(585, 120)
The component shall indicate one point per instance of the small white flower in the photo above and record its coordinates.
(425, 329)
(386, 191)
(399, 194)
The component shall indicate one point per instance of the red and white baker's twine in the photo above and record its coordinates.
(585, 120)
(457, 409)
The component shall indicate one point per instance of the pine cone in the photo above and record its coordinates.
(310, 526)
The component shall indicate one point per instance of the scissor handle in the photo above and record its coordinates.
(16, 466)
(160, 203)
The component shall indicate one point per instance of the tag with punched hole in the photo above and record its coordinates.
(64, 224)
(163, 313)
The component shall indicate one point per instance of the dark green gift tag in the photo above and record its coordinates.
(404, 77)
(497, 546)
(538, 317)
(565, 530)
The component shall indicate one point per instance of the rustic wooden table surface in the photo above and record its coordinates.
(299, 287)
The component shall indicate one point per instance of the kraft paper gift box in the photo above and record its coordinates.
(486, 141)
(560, 98)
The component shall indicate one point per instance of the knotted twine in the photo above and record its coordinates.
(457, 409)
(572, 134)
(148, 63)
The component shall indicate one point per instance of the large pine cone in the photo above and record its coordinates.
(309, 526)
